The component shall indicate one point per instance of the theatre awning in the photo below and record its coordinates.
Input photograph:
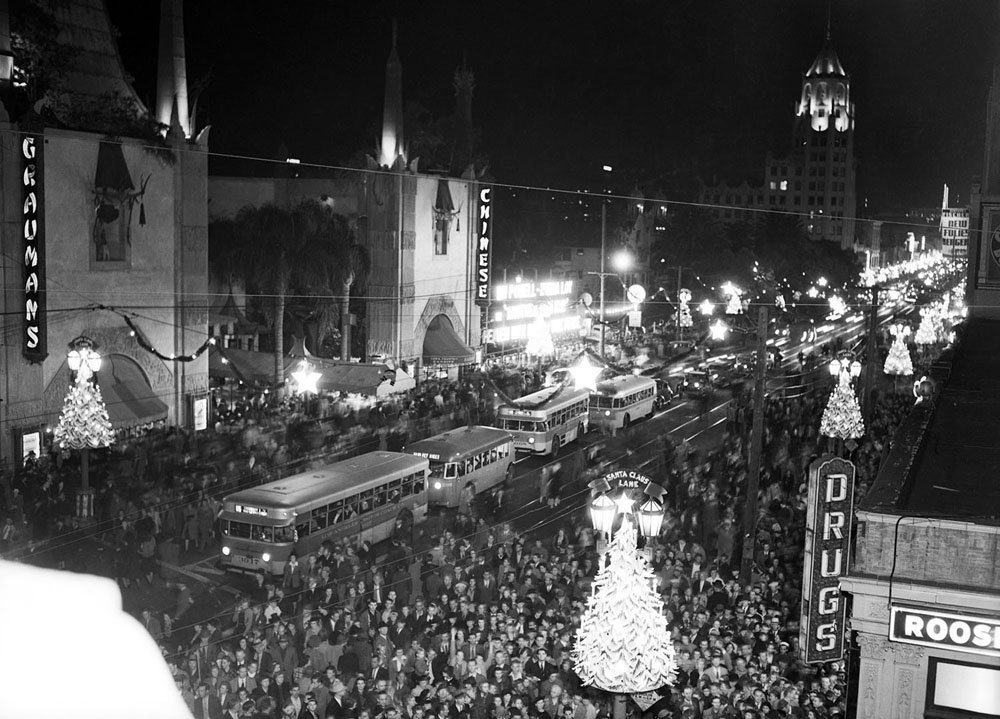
(443, 346)
(129, 398)
(376, 380)
(244, 365)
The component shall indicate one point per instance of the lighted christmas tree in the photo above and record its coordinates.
(925, 332)
(842, 416)
(84, 421)
(735, 305)
(899, 362)
(623, 644)
(685, 316)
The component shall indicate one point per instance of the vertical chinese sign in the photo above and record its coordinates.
(483, 250)
(34, 349)
(828, 537)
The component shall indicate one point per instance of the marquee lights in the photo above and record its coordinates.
(34, 258)
(483, 250)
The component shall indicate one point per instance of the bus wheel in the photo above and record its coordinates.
(626, 421)
(555, 447)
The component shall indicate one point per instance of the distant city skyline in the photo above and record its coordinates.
(665, 93)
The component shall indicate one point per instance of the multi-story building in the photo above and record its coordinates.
(817, 179)
(106, 212)
(954, 229)
(428, 236)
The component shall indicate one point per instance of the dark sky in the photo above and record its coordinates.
(662, 90)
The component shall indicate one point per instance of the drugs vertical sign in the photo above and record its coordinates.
(828, 537)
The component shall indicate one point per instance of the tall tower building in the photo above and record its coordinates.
(817, 179)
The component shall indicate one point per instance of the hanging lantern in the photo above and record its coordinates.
(602, 513)
(650, 518)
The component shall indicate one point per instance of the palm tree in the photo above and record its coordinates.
(352, 268)
(277, 249)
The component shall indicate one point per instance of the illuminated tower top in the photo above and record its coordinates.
(826, 92)
(392, 112)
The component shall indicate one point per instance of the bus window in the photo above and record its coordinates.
(365, 501)
(284, 534)
(407, 488)
(418, 483)
(381, 495)
(450, 470)
(239, 529)
(261, 534)
(350, 506)
(335, 512)
(302, 529)
(468, 466)
(493, 454)
(395, 487)
(318, 519)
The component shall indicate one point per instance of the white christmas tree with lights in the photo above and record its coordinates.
(735, 305)
(925, 334)
(84, 422)
(898, 361)
(623, 644)
(842, 416)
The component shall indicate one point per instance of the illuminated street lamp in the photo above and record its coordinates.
(621, 261)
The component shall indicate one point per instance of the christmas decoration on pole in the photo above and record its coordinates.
(734, 305)
(842, 416)
(684, 298)
(623, 644)
(899, 362)
(306, 378)
(925, 334)
(84, 422)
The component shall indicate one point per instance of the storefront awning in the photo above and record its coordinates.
(375, 380)
(243, 365)
(443, 346)
(129, 398)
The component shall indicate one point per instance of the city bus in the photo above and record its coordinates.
(481, 455)
(356, 499)
(620, 400)
(545, 420)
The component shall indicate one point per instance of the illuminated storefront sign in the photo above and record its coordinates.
(828, 536)
(958, 632)
(517, 307)
(34, 257)
(483, 238)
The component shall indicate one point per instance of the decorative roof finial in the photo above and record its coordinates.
(395, 32)
(829, 14)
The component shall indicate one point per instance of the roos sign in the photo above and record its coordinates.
(958, 632)
(828, 536)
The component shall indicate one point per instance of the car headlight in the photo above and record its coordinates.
(607, 413)
(266, 556)
(531, 440)
(226, 551)
(437, 485)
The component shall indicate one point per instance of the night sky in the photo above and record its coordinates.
(663, 91)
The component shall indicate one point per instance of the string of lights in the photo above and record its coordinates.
(141, 340)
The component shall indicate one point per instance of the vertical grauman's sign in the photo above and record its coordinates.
(34, 349)
(828, 536)
(484, 232)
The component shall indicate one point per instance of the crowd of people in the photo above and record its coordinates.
(480, 624)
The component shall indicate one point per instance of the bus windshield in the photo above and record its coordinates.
(524, 425)
(437, 470)
(259, 532)
(602, 401)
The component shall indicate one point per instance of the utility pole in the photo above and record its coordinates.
(872, 351)
(680, 271)
(604, 223)
(756, 447)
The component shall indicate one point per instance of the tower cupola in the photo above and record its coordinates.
(826, 92)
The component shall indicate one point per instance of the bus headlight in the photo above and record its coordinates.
(607, 413)
(266, 556)
(226, 551)
(437, 485)
(531, 440)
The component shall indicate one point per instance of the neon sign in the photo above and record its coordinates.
(34, 267)
(483, 253)
(828, 536)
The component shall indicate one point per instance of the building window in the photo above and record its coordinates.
(773, 185)
(783, 185)
(442, 226)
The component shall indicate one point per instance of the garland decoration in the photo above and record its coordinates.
(140, 338)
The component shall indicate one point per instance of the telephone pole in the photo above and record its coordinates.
(756, 447)
(872, 351)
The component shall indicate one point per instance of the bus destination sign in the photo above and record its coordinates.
(247, 509)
